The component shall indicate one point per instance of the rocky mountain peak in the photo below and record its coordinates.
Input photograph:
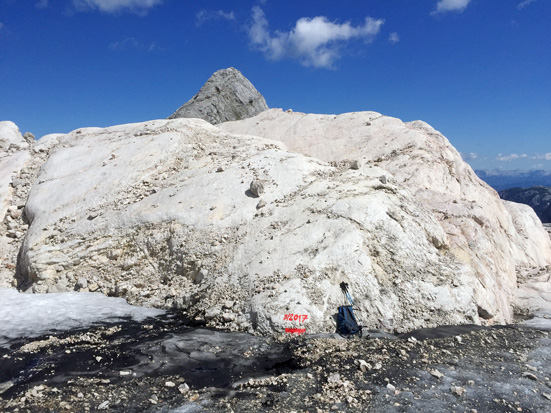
(227, 96)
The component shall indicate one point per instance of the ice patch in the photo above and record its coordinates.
(33, 315)
(539, 323)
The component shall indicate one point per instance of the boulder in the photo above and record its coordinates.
(161, 214)
(226, 96)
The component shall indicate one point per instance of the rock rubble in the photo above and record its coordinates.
(167, 366)
(20, 160)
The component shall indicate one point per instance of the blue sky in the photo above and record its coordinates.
(477, 70)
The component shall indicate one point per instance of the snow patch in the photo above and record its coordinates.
(33, 315)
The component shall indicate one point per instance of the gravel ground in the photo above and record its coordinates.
(165, 366)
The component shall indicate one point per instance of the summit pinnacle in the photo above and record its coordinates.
(226, 96)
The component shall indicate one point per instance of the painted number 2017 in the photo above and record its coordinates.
(301, 318)
(295, 317)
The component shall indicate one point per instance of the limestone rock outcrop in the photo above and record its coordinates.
(480, 230)
(226, 96)
(161, 213)
(253, 225)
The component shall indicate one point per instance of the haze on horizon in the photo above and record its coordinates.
(478, 71)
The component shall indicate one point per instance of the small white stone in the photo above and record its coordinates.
(334, 378)
(457, 390)
(364, 365)
(436, 374)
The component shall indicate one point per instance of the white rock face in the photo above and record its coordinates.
(161, 213)
(480, 231)
(245, 233)
(46, 143)
(533, 296)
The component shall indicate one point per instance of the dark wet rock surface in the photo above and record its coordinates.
(167, 366)
(131, 355)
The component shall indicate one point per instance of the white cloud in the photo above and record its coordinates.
(543, 156)
(393, 38)
(313, 41)
(113, 6)
(205, 15)
(444, 6)
(514, 156)
(469, 156)
(511, 157)
(525, 3)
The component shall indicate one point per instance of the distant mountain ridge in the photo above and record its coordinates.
(501, 180)
(538, 197)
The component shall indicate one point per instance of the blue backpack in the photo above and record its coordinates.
(347, 324)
